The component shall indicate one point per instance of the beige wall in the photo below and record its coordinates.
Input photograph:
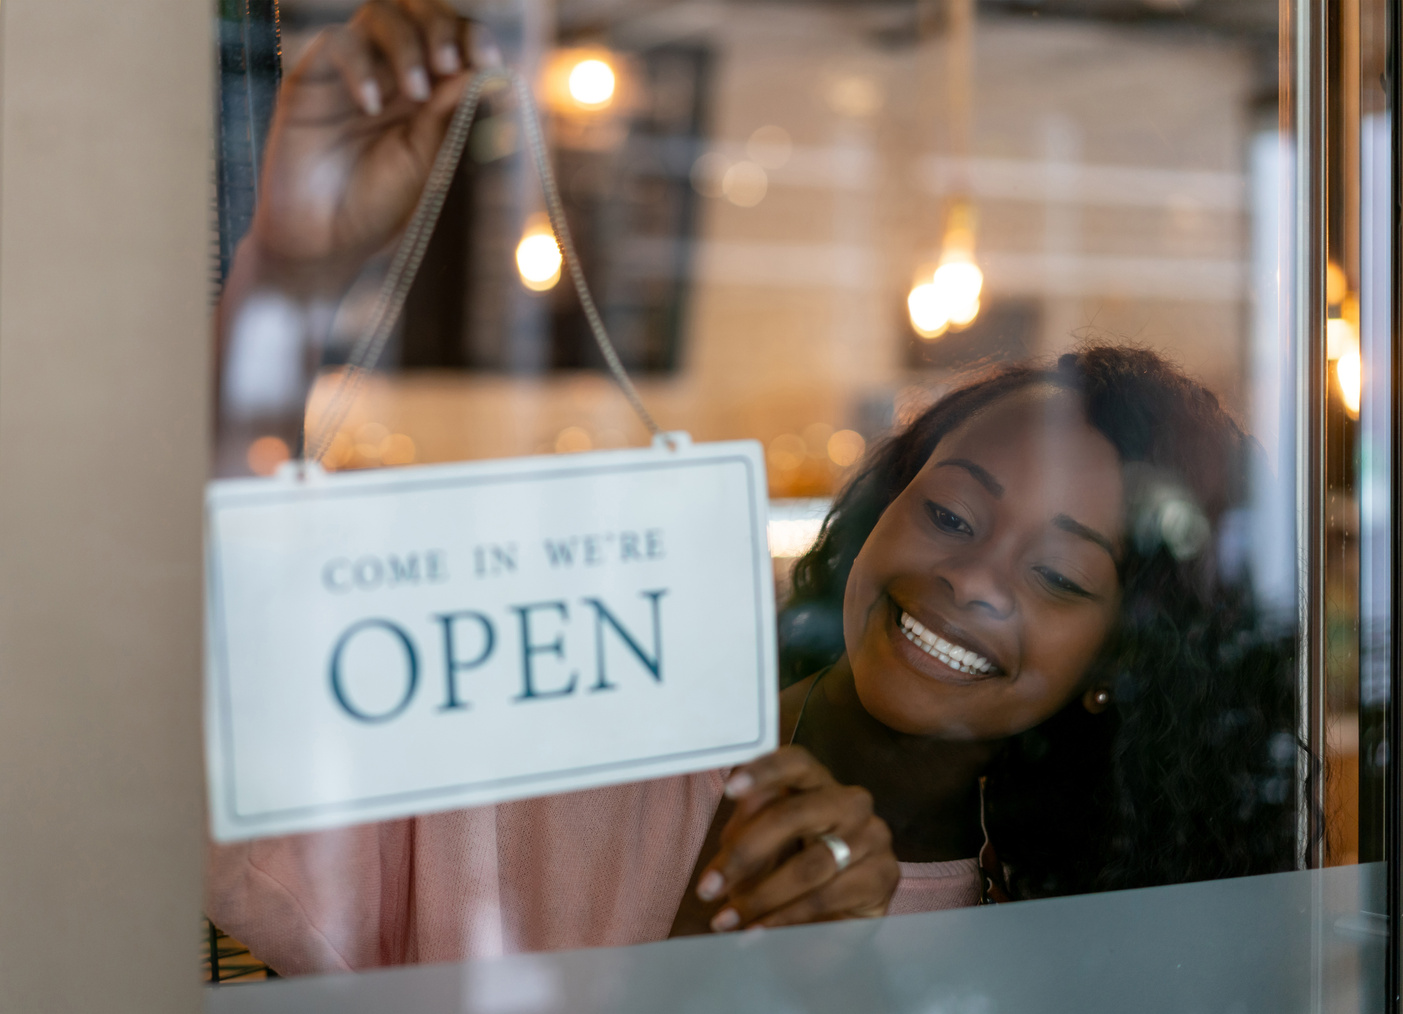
(1107, 163)
(104, 142)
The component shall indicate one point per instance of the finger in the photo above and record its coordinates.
(397, 40)
(480, 45)
(438, 24)
(806, 872)
(350, 54)
(761, 843)
(789, 769)
(430, 121)
(863, 890)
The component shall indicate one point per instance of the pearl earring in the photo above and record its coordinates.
(1102, 697)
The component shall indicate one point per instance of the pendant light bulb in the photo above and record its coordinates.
(538, 258)
(951, 297)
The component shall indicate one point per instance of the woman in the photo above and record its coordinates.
(1037, 639)
(1172, 754)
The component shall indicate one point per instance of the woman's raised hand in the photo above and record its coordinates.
(358, 124)
(773, 868)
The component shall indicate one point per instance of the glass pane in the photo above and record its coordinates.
(1254, 943)
(1364, 240)
(1076, 461)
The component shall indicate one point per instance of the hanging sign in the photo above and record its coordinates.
(388, 643)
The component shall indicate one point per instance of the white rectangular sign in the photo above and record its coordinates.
(395, 642)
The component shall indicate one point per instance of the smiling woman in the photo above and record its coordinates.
(1030, 644)
(1049, 677)
(1025, 656)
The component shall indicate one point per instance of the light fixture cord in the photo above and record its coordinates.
(409, 255)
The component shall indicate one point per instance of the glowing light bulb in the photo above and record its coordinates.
(1349, 373)
(591, 83)
(1341, 337)
(951, 297)
(538, 258)
(927, 310)
(959, 283)
(1342, 348)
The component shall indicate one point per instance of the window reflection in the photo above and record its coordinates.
(995, 287)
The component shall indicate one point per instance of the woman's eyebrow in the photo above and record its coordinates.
(1075, 527)
(980, 475)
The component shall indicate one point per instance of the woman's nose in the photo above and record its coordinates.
(978, 582)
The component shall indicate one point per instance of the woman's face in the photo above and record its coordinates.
(985, 591)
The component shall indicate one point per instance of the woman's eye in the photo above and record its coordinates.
(1061, 583)
(947, 521)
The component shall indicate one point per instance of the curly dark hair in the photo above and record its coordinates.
(1191, 773)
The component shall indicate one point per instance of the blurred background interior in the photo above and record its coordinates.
(805, 220)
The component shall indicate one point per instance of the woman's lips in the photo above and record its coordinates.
(935, 654)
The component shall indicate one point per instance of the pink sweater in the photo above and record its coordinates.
(600, 868)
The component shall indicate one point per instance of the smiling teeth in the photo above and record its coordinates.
(957, 658)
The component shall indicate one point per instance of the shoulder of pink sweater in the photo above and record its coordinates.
(311, 902)
(341, 900)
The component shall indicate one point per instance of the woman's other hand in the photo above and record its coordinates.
(774, 869)
(359, 121)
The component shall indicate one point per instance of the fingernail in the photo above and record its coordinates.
(739, 784)
(417, 82)
(446, 59)
(485, 51)
(370, 97)
(726, 919)
(710, 886)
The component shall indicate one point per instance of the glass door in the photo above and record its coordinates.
(1066, 333)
